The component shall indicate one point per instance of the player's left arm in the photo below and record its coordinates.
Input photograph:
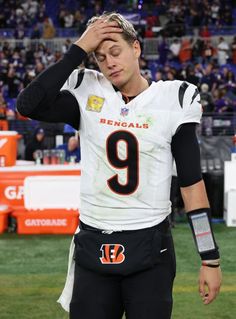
(185, 150)
(198, 210)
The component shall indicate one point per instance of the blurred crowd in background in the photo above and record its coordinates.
(24, 14)
(196, 43)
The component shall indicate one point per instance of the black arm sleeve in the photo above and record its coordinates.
(42, 99)
(186, 152)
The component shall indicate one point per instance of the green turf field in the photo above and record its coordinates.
(33, 268)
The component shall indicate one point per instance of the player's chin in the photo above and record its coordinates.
(118, 82)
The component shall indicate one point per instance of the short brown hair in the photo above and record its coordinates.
(129, 33)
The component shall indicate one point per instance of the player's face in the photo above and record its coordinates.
(118, 60)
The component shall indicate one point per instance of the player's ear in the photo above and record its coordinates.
(137, 49)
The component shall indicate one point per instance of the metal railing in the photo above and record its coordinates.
(218, 124)
(52, 44)
(150, 45)
(212, 124)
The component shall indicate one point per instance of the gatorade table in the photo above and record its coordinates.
(12, 181)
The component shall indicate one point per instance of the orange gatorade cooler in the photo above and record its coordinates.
(47, 221)
(4, 213)
(8, 147)
(51, 205)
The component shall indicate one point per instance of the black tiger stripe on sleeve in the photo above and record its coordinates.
(79, 78)
(194, 95)
(182, 89)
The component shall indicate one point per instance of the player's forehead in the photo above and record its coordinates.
(108, 45)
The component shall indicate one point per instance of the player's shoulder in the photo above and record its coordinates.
(83, 75)
(177, 85)
(171, 87)
(93, 75)
(182, 92)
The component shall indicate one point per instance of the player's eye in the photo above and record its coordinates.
(115, 52)
(100, 58)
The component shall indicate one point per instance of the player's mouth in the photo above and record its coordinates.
(115, 74)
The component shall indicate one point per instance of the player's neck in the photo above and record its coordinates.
(134, 87)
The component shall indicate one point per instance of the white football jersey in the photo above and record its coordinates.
(126, 158)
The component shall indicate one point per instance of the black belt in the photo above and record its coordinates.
(163, 226)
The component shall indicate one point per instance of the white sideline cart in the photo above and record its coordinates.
(230, 193)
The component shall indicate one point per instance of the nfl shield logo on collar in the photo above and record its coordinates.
(124, 111)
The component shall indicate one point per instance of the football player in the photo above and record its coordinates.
(122, 257)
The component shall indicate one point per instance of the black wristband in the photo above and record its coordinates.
(200, 223)
(214, 254)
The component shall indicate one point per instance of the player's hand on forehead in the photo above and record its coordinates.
(100, 30)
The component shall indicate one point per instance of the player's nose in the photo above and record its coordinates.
(110, 61)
